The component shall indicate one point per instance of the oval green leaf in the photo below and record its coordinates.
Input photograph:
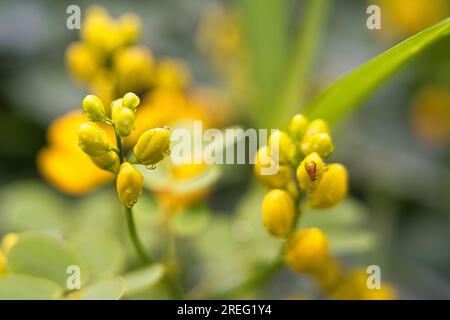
(102, 253)
(22, 287)
(43, 256)
(111, 289)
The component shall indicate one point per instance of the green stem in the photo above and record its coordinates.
(145, 259)
(119, 147)
(265, 274)
(303, 54)
(173, 279)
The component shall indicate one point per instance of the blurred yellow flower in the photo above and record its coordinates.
(133, 67)
(165, 107)
(406, 17)
(354, 287)
(102, 40)
(63, 163)
(220, 35)
(174, 202)
(2, 263)
(220, 38)
(8, 241)
(104, 86)
(328, 274)
(82, 61)
(172, 74)
(307, 250)
(431, 114)
(105, 34)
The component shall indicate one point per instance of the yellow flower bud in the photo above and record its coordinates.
(317, 126)
(278, 211)
(93, 108)
(82, 61)
(116, 107)
(331, 189)
(297, 126)
(131, 101)
(329, 274)
(263, 161)
(320, 143)
(92, 139)
(310, 172)
(307, 250)
(129, 26)
(354, 287)
(134, 69)
(2, 263)
(124, 121)
(109, 161)
(280, 142)
(8, 241)
(129, 184)
(152, 146)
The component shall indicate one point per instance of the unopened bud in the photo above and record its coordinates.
(297, 126)
(93, 108)
(129, 184)
(281, 142)
(109, 162)
(318, 142)
(317, 126)
(92, 139)
(124, 121)
(278, 211)
(307, 250)
(331, 189)
(152, 146)
(131, 101)
(310, 172)
(281, 175)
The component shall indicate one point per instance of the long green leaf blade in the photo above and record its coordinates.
(348, 92)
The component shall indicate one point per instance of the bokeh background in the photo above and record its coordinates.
(395, 146)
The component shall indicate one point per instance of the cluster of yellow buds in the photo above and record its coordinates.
(106, 56)
(110, 62)
(300, 154)
(151, 147)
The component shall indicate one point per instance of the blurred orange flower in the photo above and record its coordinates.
(431, 115)
(63, 163)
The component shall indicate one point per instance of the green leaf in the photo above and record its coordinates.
(111, 289)
(143, 279)
(22, 287)
(264, 25)
(302, 56)
(191, 221)
(344, 225)
(348, 214)
(102, 253)
(29, 205)
(43, 256)
(351, 241)
(348, 92)
(100, 210)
